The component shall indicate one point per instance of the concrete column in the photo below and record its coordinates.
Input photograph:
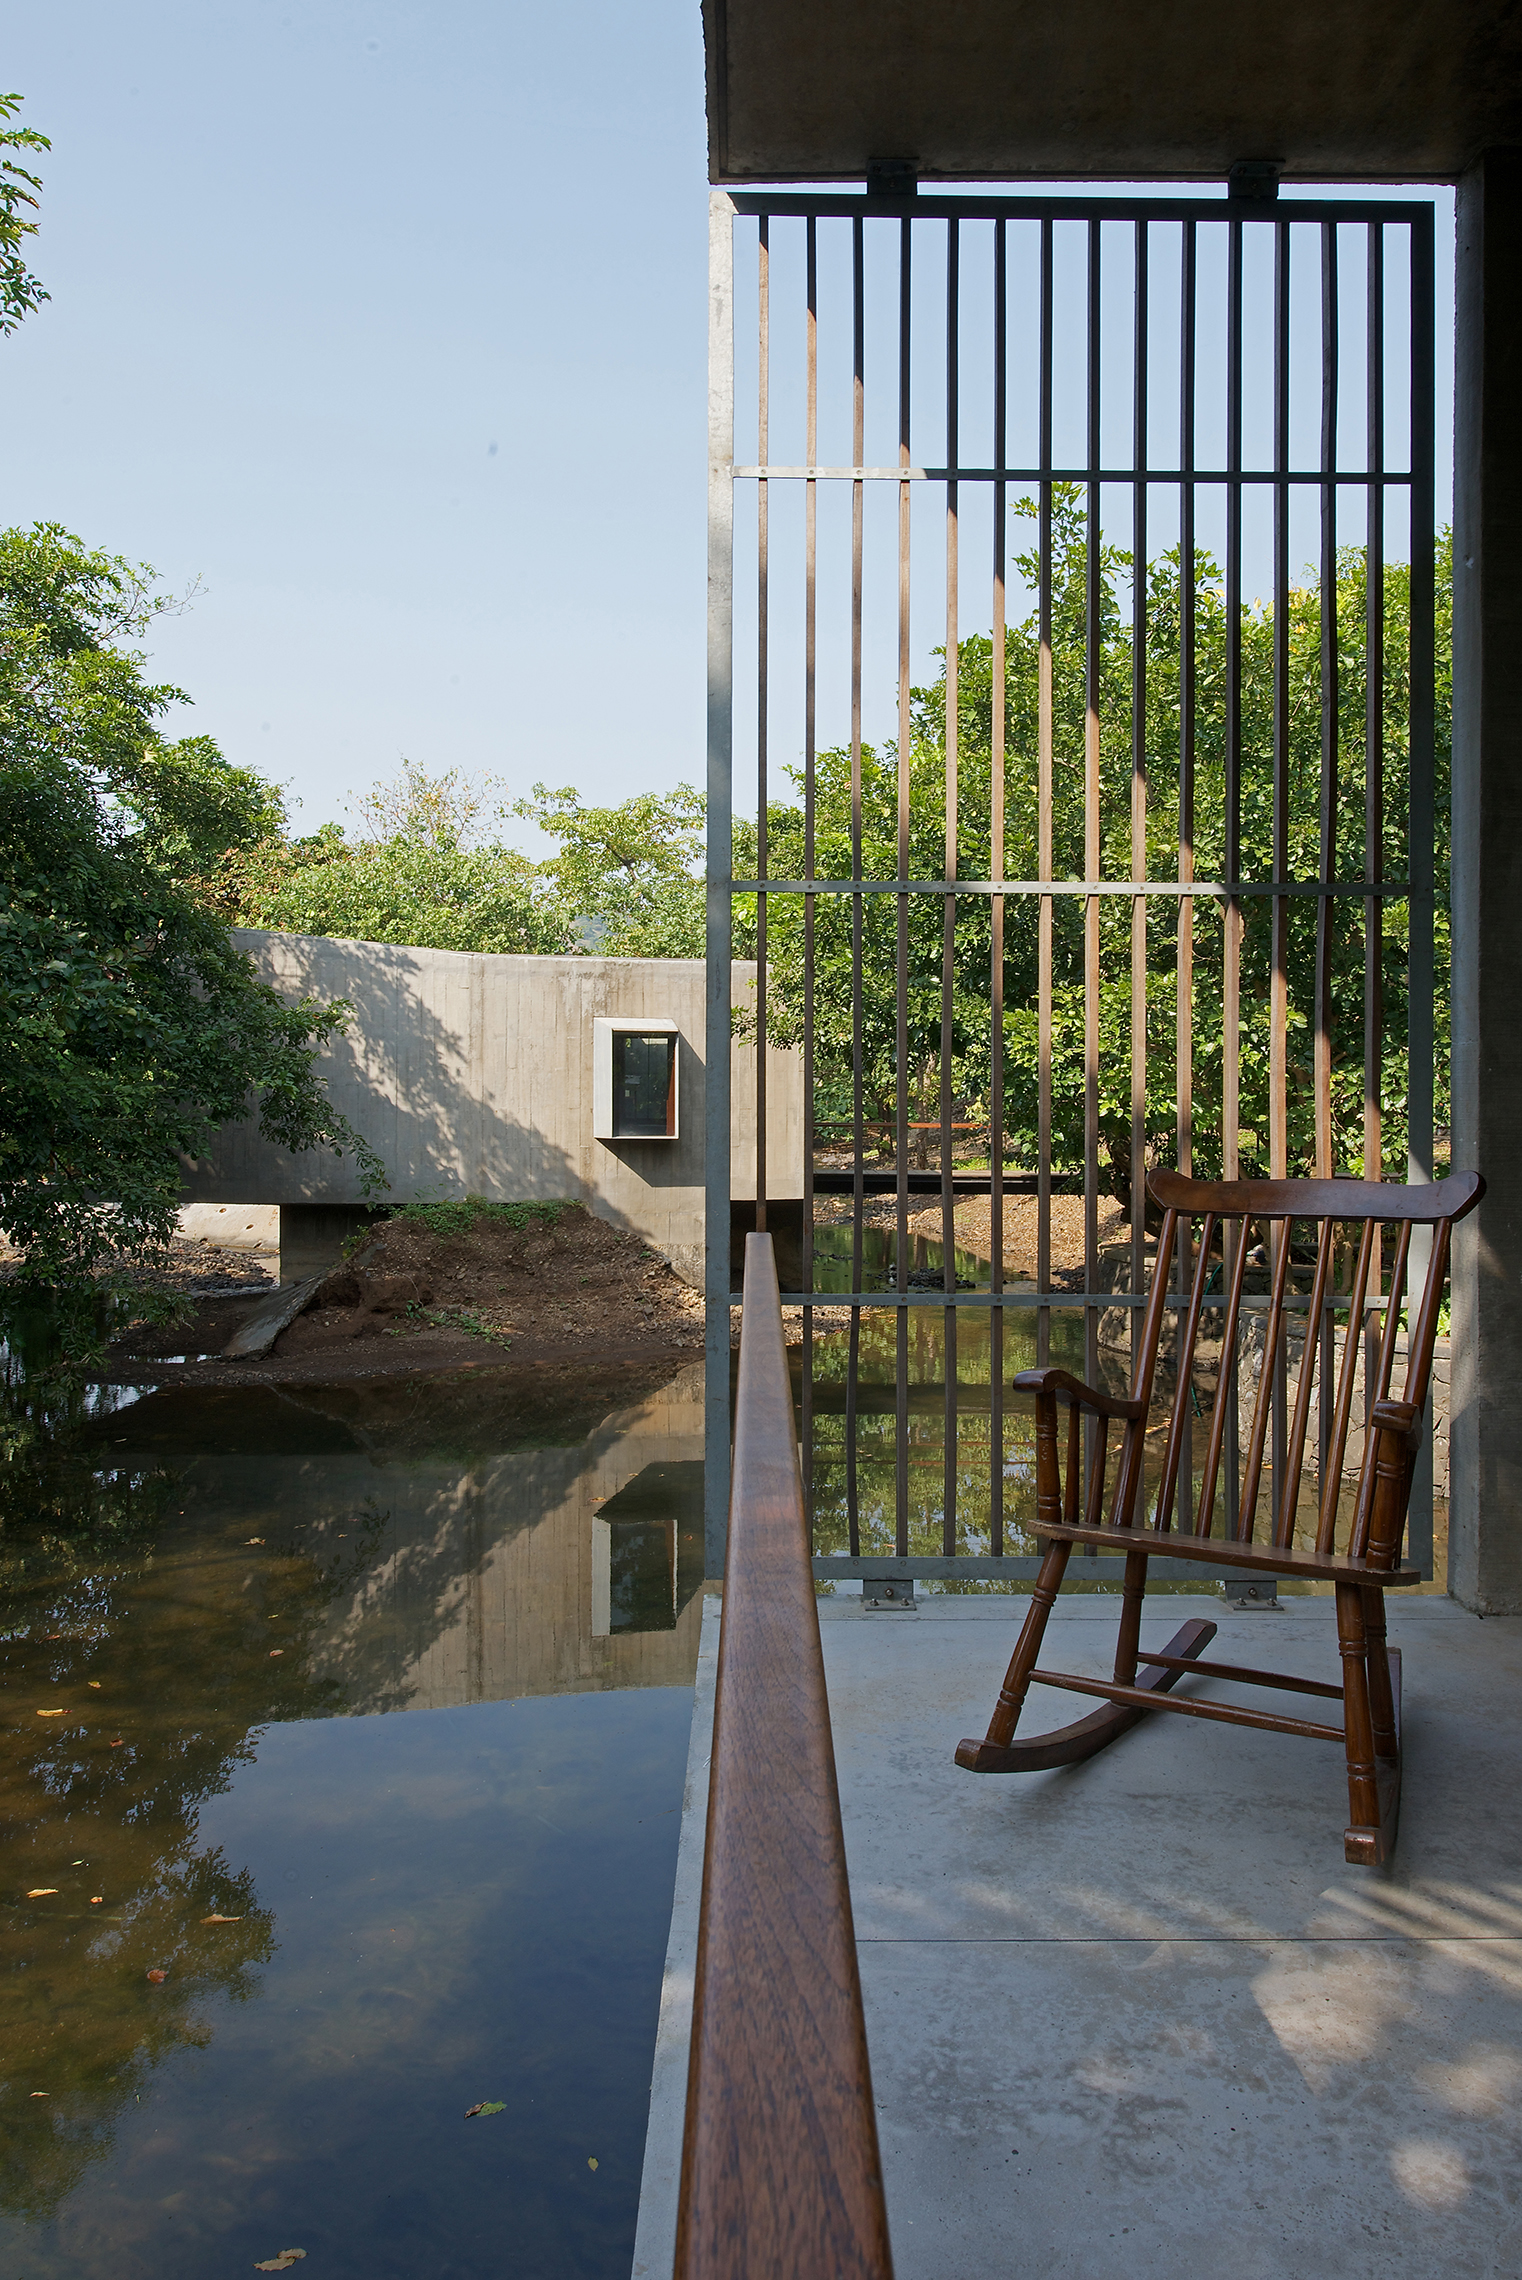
(1485, 1524)
(312, 1235)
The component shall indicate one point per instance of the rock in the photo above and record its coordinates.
(277, 1313)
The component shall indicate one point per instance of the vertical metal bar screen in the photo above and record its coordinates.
(1080, 811)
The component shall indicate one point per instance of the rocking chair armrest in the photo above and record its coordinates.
(1068, 1388)
(1402, 1418)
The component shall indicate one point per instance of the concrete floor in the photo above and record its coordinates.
(1138, 2017)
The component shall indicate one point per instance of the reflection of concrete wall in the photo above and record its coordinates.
(476, 1582)
(473, 1075)
(486, 1590)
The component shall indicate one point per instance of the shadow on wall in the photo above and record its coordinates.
(408, 1074)
(473, 1075)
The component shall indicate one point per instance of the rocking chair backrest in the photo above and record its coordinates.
(1230, 1209)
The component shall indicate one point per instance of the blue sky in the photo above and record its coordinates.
(388, 323)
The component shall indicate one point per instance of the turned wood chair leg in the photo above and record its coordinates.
(1133, 1592)
(1381, 1693)
(1363, 1839)
(1017, 1678)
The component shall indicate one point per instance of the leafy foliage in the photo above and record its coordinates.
(21, 294)
(629, 874)
(419, 880)
(970, 1075)
(136, 1028)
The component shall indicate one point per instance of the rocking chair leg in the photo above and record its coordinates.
(1134, 1591)
(1017, 1678)
(1381, 1696)
(1367, 1839)
(999, 1752)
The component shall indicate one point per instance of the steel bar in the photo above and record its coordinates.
(1014, 1568)
(1374, 720)
(763, 690)
(858, 446)
(1092, 653)
(998, 668)
(1310, 477)
(949, 905)
(932, 205)
(810, 794)
(1323, 1043)
(1139, 596)
(901, 971)
(1210, 889)
(720, 867)
(1044, 808)
(1421, 959)
(1275, 1381)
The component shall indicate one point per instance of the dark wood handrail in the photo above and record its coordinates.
(781, 2177)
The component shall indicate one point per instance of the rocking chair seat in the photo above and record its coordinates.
(1263, 1559)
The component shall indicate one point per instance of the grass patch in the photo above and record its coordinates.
(463, 1214)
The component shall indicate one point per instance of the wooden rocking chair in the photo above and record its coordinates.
(1361, 1572)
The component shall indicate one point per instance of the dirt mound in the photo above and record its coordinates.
(525, 1279)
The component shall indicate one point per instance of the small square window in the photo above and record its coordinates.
(634, 1092)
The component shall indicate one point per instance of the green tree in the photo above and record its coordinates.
(418, 880)
(970, 1071)
(136, 1028)
(631, 876)
(21, 294)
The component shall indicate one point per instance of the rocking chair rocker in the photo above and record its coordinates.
(1370, 1561)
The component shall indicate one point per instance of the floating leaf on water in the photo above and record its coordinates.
(42, 1892)
(591, 2161)
(158, 1977)
(487, 2106)
(221, 1919)
(282, 2262)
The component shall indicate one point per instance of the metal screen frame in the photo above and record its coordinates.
(1326, 479)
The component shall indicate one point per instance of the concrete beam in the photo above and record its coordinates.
(1334, 90)
(1485, 1433)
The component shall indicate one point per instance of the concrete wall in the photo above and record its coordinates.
(1485, 1527)
(473, 1075)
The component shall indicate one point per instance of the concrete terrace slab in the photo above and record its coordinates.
(1137, 2017)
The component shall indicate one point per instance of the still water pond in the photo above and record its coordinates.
(365, 1726)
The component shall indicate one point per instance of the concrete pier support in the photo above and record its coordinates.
(312, 1235)
(1485, 1521)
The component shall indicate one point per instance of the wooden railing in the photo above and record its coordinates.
(781, 2177)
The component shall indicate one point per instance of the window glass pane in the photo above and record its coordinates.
(643, 1072)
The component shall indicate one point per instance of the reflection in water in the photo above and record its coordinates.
(855, 1474)
(860, 1472)
(427, 1912)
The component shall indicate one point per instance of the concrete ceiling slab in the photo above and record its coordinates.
(1136, 90)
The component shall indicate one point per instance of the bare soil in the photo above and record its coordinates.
(972, 1219)
(563, 1286)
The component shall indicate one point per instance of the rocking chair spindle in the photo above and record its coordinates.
(1361, 1573)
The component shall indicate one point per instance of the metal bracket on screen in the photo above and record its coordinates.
(888, 1593)
(1253, 1594)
